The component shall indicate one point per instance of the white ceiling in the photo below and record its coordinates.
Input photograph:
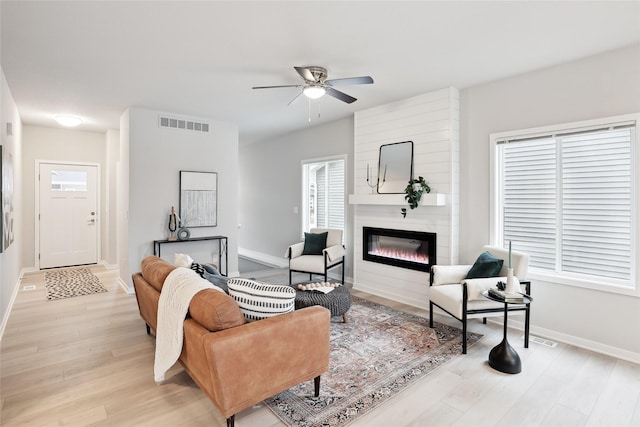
(200, 59)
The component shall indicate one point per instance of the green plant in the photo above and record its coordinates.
(413, 193)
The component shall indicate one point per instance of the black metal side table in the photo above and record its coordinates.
(503, 357)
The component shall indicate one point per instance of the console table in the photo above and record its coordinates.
(157, 245)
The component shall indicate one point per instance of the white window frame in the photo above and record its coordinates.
(304, 197)
(611, 285)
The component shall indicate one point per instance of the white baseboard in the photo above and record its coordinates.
(108, 266)
(392, 296)
(12, 301)
(125, 287)
(618, 353)
(261, 258)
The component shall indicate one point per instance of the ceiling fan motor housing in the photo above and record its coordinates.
(319, 73)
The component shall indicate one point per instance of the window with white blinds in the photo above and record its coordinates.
(567, 199)
(323, 194)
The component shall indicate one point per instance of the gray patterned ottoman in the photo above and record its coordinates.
(337, 301)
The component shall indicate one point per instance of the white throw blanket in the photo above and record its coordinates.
(177, 291)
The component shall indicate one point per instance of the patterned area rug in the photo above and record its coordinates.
(69, 283)
(377, 354)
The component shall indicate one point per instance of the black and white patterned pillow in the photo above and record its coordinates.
(259, 301)
(198, 268)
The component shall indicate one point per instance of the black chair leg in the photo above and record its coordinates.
(231, 421)
(148, 329)
(290, 277)
(526, 327)
(464, 333)
(316, 386)
(430, 314)
(484, 320)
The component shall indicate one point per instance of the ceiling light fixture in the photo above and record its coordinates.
(68, 121)
(314, 92)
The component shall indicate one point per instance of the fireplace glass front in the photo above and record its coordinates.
(415, 250)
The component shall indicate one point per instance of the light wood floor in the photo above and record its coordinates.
(87, 361)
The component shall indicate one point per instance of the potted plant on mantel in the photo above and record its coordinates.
(413, 193)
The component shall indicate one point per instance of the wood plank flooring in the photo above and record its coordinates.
(87, 361)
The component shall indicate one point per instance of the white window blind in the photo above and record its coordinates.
(324, 194)
(567, 201)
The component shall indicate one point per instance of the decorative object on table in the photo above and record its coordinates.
(198, 199)
(401, 350)
(184, 234)
(395, 166)
(173, 224)
(324, 287)
(375, 184)
(413, 193)
(506, 296)
(513, 286)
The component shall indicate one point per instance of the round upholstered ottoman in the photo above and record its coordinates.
(337, 301)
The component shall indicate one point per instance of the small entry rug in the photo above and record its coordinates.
(380, 352)
(68, 283)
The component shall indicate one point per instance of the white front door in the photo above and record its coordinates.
(68, 215)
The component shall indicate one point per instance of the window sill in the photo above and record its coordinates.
(594, 283)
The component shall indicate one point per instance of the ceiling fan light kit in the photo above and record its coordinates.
(314, 92)
(316, 84)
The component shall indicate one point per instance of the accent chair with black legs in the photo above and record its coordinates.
(320, 251)
(451, 291)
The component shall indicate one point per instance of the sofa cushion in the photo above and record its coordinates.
(260, 300)
(155, 271)
(485, 266)
(314, 243)
(215, 310)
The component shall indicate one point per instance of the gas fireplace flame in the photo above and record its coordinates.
(399, 254)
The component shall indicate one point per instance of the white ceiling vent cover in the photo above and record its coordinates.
(183, 124)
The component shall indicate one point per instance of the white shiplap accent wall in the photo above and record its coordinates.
(431, 121)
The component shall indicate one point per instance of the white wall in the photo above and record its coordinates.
(110, 205)
(595, 87)
(431, 122)
(156, 157)
(55, 144)
(271, 186)
(11, 260)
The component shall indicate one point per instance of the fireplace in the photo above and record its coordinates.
(415, 250)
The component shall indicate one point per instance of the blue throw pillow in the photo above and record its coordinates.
(314, 243)
(485, 266)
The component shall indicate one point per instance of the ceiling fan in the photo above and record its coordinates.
(316, 84)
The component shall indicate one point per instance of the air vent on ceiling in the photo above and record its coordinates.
(184, 124)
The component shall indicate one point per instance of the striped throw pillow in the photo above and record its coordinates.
(261, 300)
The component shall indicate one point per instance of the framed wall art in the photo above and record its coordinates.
(6, 184)
(198, 199)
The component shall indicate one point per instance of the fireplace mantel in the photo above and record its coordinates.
(429, 199)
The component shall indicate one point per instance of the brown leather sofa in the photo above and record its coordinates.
(235, 363)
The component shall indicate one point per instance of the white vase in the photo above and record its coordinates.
(513, 286)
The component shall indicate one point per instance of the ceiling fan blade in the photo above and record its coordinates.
(363, 80)
(305, 74)
(340, 95)
(294, 99)
(271, 87)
